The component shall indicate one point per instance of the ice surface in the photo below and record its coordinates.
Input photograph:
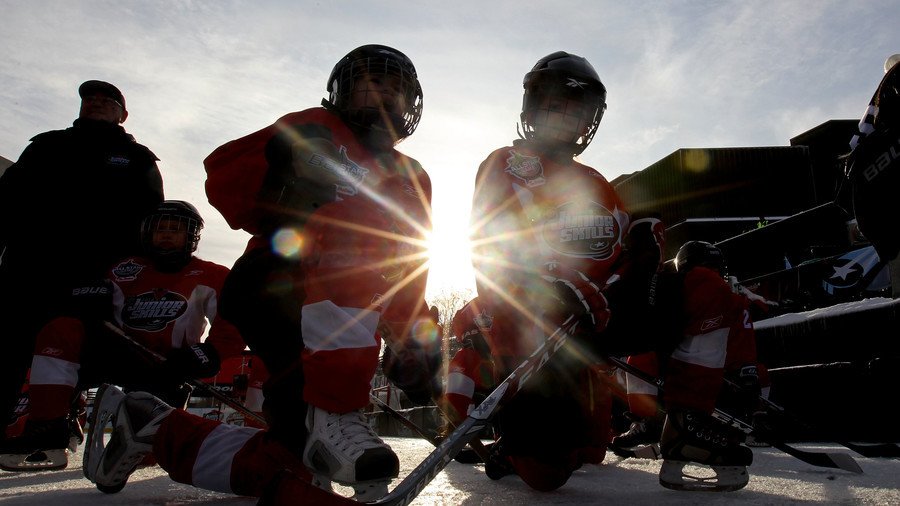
(776, 478)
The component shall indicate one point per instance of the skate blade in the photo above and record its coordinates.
(43, 460)
(650, 452)
(702, 478)
(362, 491)
(369, 491)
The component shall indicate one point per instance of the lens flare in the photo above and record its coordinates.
(287, 242)
(426, 331)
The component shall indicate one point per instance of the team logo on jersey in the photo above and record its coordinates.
(582, 229)
(484, 321)
(127, 270)
(153, 310)
(526, 168)
(343, 168)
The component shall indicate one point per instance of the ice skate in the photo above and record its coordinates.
(701, 454)
(295, 486)
(498, 465)
(43, 446)
(135, 418)
(343, 448)
(641, 440)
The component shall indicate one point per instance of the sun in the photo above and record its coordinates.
(449, 256)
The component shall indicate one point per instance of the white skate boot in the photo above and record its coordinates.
(711, 451)
(344, 448)
(135, 419)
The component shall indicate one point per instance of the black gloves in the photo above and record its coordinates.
(742, 391)
(195, 361)
(413, 369)
(91, 300)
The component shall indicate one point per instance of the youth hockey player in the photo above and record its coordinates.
(163, 299)
(548, 235)
(718, 342)
(336, 266)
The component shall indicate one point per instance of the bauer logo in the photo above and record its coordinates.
(584, 230)
(152, 311)
(883, 161)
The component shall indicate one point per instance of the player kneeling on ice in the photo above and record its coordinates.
(336, 266)
(549, 233)
(163, 300)
(711, 363)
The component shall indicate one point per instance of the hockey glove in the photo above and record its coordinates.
(472, 327)
(742, 392)
(413, 369)
(577, 295)
(196, 361)
(91, 301)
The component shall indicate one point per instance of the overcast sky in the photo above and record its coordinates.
(196, 74)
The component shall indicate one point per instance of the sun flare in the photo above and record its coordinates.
(450, 257)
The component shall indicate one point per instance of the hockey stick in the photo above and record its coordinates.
(477, 451)
(403, 419)
(889, 450)
(191, 381)
(477, 420)
(820, 459)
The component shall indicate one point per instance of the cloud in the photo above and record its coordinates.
(680, 74)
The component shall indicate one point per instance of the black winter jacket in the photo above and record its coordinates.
(73, 203)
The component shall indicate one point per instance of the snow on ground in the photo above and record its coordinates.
(776, 478)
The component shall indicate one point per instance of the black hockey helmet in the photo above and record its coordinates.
(374, 60)
(700, 253)
(563, 75)
(172, 215)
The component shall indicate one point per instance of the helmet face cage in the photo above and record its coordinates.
(700, 253)
(374, 61)
(172, 215)
(565, 77)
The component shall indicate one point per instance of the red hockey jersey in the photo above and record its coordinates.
(170, 310)
(529, 210)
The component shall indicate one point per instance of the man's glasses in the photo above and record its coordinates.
(103, 100)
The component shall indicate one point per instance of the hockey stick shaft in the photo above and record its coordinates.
(820, 459)
(403, 419)
(476, 445)
(477, 420)
(890, 450)
(191, 381)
